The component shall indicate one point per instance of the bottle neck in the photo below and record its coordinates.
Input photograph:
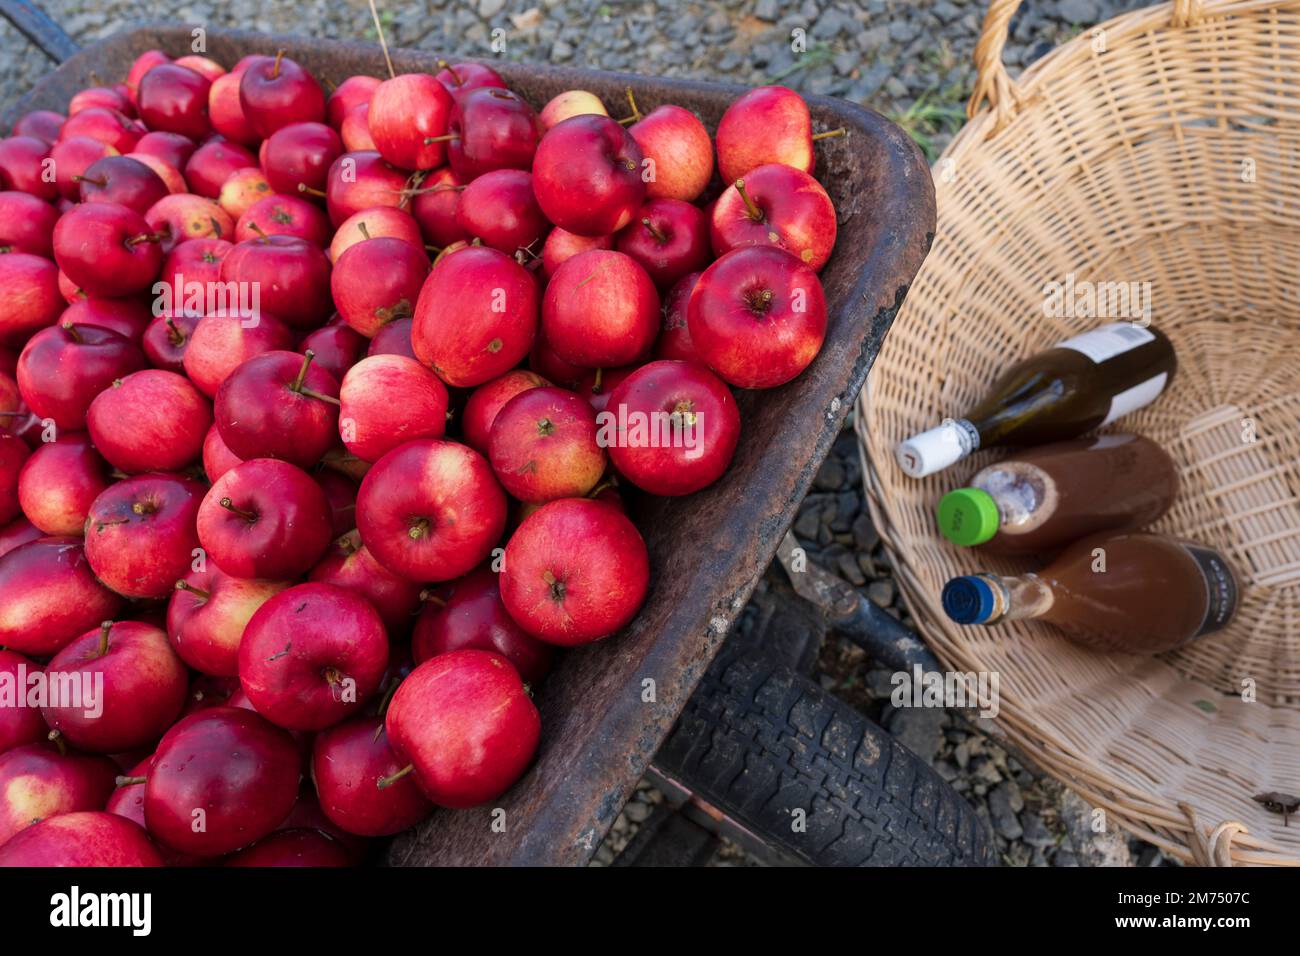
(1019, 597)
(1019, 490)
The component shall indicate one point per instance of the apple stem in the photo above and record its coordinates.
(275, 69)
(636, 113)
(556, 585)
(419, 529)
(384, 702)
(320, 396)
(72, 332)
(56, 738)
(441, 188)
(754, 212)
(383, 44)
(604, 485)
(101, 183)
(657, 233)
(174, 334)
(302, 371)
(144, 237)
(383, 783)
(434, 249)
(104, 628)
(595, 385)
(361, 227)
(230, 506)
(318, 193)
(444, 65)
(444, 138)
(830, 134)
(199, 593)
(260, 232)
(122, 781)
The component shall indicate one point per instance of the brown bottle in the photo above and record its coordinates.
(1046, 497)
(1135, 592)
(1080, 384)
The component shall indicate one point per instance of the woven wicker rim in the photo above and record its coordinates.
(1075, 124)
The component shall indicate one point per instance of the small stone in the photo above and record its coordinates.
(895, 88)
(830, 476)
(1081, 12)
(766, 10)
(872, 39)
(561, 51)
(1036, 833)
(880, 684)
(807, 525)
(1065, 857)
(636, 811)
(903, 30)
(881, 592)
(1005, 822)
(919, 729)
(849, 568)
(961, 753)
(487, 9)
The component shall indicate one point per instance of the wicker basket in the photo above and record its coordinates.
(1162, 147)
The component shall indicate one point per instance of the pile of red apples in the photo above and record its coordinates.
(317, 417)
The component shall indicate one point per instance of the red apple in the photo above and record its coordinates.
(678, 146)
(299, 155)
(48, 595)
(393, 339)
(213, 163)
(371, 423)
(165, 340)
(293, 848)
(59, 482)
(600, 310)
(684, 403)
(348, 762)
(562, 245)
(264, 519)
(170, 175)
(242, 190)
(226, 113)
(576, 571)
(291, 274)
(142, 64)
(587, 176)
(81, 839)
(107, 249)
(669, 238)
(207, 615)
(430, 510)
(570, 103)
(24, 167)
(40, 124)
(221, 343)
(434, 208)
(122, 180)
(127, 317)
(382, 222)
(172, 148)
(778, 206)
(408, 120)
(467, 614)
(757, 317)
(336, 348)
(26, 224)
(189, 271)
(13, 456)
(488, 399)
(174, 98)
(376, 281)
(140, 535)
(62, 369)
(341, 493)
(460, 78)
(352, 92)
(16, 534)
(499, 208)
(349, 564)
(284, 216)
(229, 768)
(181, 217)
(21, 724)
(467, 726)
(476, 316)
(71, 158)
(151, 420)
(312, 655)
(37, 782)
(543, 445)
(144, 687)
(276, 91)
(217, 458)
(355, 129)
(675, 337)
(769, 124)
(29, 296)
(358, 181)
(490, 128)
(278, 405)
(109, 126)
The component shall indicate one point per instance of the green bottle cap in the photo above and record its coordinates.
(968, 516)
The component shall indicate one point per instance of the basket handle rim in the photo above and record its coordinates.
(992, 81)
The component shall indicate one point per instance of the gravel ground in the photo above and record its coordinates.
(909, 60)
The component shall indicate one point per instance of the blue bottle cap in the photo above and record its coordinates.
(968, 599)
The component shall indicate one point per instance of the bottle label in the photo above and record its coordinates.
(1220, 588)
(1131, 399)
(1109, 341)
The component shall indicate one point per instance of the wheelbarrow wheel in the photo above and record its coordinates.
(811, 775)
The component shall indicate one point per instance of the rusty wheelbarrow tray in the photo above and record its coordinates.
(606, 708)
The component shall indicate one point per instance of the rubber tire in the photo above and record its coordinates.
(758, 740)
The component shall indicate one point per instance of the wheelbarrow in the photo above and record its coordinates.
(758, 743)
